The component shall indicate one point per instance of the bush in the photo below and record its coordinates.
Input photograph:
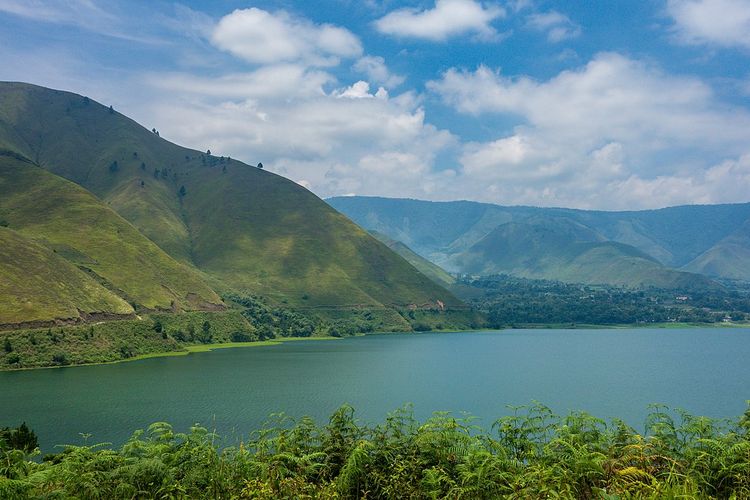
(242, 337)
(531, 453)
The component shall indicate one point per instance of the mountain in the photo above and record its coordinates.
(674, 236)
(562, 249)
(729, 258)
(424, 266)
(167, 227)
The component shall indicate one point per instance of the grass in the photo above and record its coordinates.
(78, 227)
(36, 284)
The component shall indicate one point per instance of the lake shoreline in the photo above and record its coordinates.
(200, 348)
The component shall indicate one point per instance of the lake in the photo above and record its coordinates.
(609, 373)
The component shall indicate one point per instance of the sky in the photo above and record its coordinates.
(595, 104)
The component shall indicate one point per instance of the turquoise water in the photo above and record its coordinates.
(605, 372)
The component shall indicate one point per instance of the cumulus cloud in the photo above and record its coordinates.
(724, 23)
(360, 90)
(587, 136)
(262, 37)
(447, 19)
(336, 142)
(377, 71)
(557, 26)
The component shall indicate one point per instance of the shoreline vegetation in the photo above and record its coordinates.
(249, 321)
(171, 348)
(531, 453)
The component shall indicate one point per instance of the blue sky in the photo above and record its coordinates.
(609, 105)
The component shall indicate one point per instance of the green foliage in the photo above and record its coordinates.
(510, 301)
(531, 453)
(21, 438)
(118, 340)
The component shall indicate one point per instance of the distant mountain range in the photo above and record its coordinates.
(677, 247)
(100, 217)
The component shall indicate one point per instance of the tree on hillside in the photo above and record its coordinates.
(111, 110)
(183, 191)
(114, 167)
(260, 166)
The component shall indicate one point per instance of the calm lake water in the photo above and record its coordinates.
(609, 373)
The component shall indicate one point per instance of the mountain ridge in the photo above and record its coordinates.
(673, 236)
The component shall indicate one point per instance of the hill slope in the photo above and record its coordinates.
(424, 266)
(79, 227)
(562, 249)
(729, 258)
(674, 236)
(37, 285)
(232, 227)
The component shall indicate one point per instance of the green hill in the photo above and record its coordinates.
(729, 258)
(674, 236)
(424, 266)
(557, 248)
(168, 227)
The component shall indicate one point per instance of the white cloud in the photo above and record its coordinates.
(337, 142)
(724, 23)
(558, 26)
(377, 71)
(614, 131)
(360, 90)
(282, 81)
(447, 19)
(261, 37)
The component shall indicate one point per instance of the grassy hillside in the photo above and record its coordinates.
(36, 284)
(563, 249)
(729, 258)
(424, 266)
(216, 223)
(80, 228)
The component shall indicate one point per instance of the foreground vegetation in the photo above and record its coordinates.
(530, 454)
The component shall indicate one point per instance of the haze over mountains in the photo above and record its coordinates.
(101, 216)
(670, 248)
